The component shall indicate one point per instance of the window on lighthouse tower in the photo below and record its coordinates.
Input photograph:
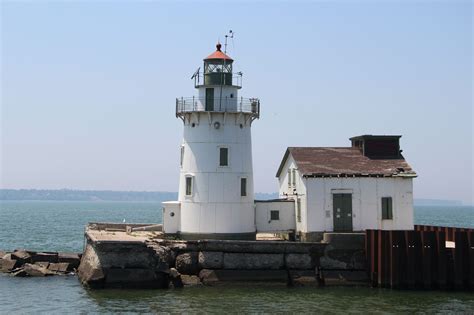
(223, 156)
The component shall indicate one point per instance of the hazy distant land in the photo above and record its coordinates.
(96, 195)
(109, 195)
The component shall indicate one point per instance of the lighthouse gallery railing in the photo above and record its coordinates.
(224, 104)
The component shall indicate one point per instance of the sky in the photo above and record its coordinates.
(88, 88)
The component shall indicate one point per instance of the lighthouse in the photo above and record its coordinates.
(216, 195)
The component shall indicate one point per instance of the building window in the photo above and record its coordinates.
(189, 185)
(387, 213)
(181, 156)
(289, 178)
(223, 156)
(294, 178)
(243, 186)
(274, 215)
(298, 210)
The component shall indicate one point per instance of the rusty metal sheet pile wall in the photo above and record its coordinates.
(420, 259)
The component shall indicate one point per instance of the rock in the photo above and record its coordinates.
(59, 267)
(72, 259)
(190, 280)
(44, 257)
(175, 278)
(188, 263)
(249, 261)
(298, 261)
(208, 276)
(7, 256)
(36, 271)
(174, 273)
(19, 273)
(22, 256)
(164, 254)
(43, 264)
(211, 260)
(2, 253)
(7, 265)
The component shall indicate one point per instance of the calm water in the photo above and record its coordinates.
(59, 226)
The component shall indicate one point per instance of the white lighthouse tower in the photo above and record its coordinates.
(216, 196)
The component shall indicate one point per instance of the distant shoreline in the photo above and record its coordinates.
(151, 196)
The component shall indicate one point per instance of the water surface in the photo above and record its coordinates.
(59, 226)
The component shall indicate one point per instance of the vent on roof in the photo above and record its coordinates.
(378, 147)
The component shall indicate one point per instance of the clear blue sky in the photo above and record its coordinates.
(88, 89)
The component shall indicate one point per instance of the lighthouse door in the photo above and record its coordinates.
(342, 207)
(210, 99)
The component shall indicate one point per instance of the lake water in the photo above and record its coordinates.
(59, 226)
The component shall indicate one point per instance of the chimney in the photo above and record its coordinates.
(378, 146)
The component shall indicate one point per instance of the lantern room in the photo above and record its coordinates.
(218, 68)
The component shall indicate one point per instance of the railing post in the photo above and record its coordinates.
(241, 100)
(194, 104)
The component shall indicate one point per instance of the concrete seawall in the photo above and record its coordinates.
(128, 260)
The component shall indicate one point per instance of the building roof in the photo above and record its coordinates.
(218, 54)
(343, 161)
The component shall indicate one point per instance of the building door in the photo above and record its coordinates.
(210, 99)
(342, 212)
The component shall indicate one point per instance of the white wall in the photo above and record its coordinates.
(366, 202)
(296, 192)
(171, 216)
(216, 205)
(286, 212)
(229, 96)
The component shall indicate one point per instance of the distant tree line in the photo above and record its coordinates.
(85, 195)
(97, 195)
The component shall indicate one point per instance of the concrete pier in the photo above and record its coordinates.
(123, 256)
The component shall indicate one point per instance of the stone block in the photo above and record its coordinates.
(20, 273)
(72, 259)
(299, 261)
(59, 267)
(208, 276)
(188, 263)
(248, 261)
(7, 265)
(36, 271)
(190, 280)
(211, 260)
(44, 257)
(90, 270)
(44, 264)
(22, 256)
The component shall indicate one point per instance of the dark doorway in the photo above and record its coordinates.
(342, 212)
(210, 99)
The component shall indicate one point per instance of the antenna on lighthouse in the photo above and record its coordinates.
(230, 35)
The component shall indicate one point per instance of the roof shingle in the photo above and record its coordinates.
(343, 161)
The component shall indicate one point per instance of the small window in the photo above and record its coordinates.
(274, 215)
(182, 156)
(289, 178)
(223, 156)
(189, 185)
(387, 213)
(298, 210)
(243, 186)
(294, 178)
